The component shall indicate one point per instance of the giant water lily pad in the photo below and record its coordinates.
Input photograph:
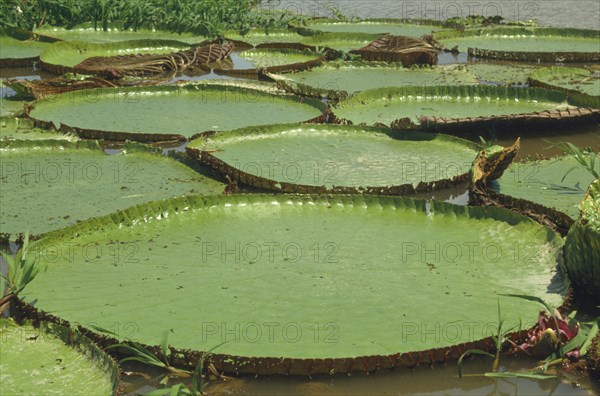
(265, 57)
(62, 57)
(407, 50)
(115, 32)
(12, 128)
(257, 37)
(53, 360)
(548, 191)
(341, 159)
(171, 112)
(19, 47)
(272, 59)
(580, 83)
(526, 44)
(309, 268)
(339, 79)
(504, 74)
(11, 107)
(47, 185)
(344, 42)
(375, 26)
(462, 109)
(540, 182)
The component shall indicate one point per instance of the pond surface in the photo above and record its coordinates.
(583, 14)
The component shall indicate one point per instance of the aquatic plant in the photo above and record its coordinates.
(210, 17)
(143, 355)
(554, 338)
(582, 248)
(586, 157)
(22, 269)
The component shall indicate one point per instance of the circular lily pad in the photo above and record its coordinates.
(583, 85)
(115, 32)
(526, 44)
(340, 159)
(397, 27)
(540, 182)
(454, 108)
(62, 57)
(337, 80)
(344, 42)
(503, 74)
(260, 36)
(19, 47)
(47, 185)
(53, 359)
(300, 277)
(11, 107)
(265, 57)
(12, 128)
(272, 59)
(171, 112)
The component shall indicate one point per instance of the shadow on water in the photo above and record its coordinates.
(424, 380)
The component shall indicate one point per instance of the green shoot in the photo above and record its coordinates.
(550, 310)
(588, 342)
(22, 269)
(527, 374)
(142, 355)
(585, 157)
(467, 353)
(500, 337)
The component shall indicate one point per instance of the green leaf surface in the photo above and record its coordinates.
(34, 360)
(570, 79)
(264, 57)
(85, 32)
(348, 156)
(71, 53)
(582, 247)
(256, 37)
(308, 267)
(389, 104)
(344, 42)
(185, 110)
(373, 26)
(351, 77)
(523, 39)
(540, 182)
(10, 107)
(47, 185)
(19, 47)
(506, 74)
(22, 129)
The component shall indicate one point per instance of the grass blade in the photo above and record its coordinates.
(567, 173)
(550, 310)
(588, 341)
(528, 375)
(164, 347)
(467, 353)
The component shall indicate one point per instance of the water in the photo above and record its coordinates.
(584, 14)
